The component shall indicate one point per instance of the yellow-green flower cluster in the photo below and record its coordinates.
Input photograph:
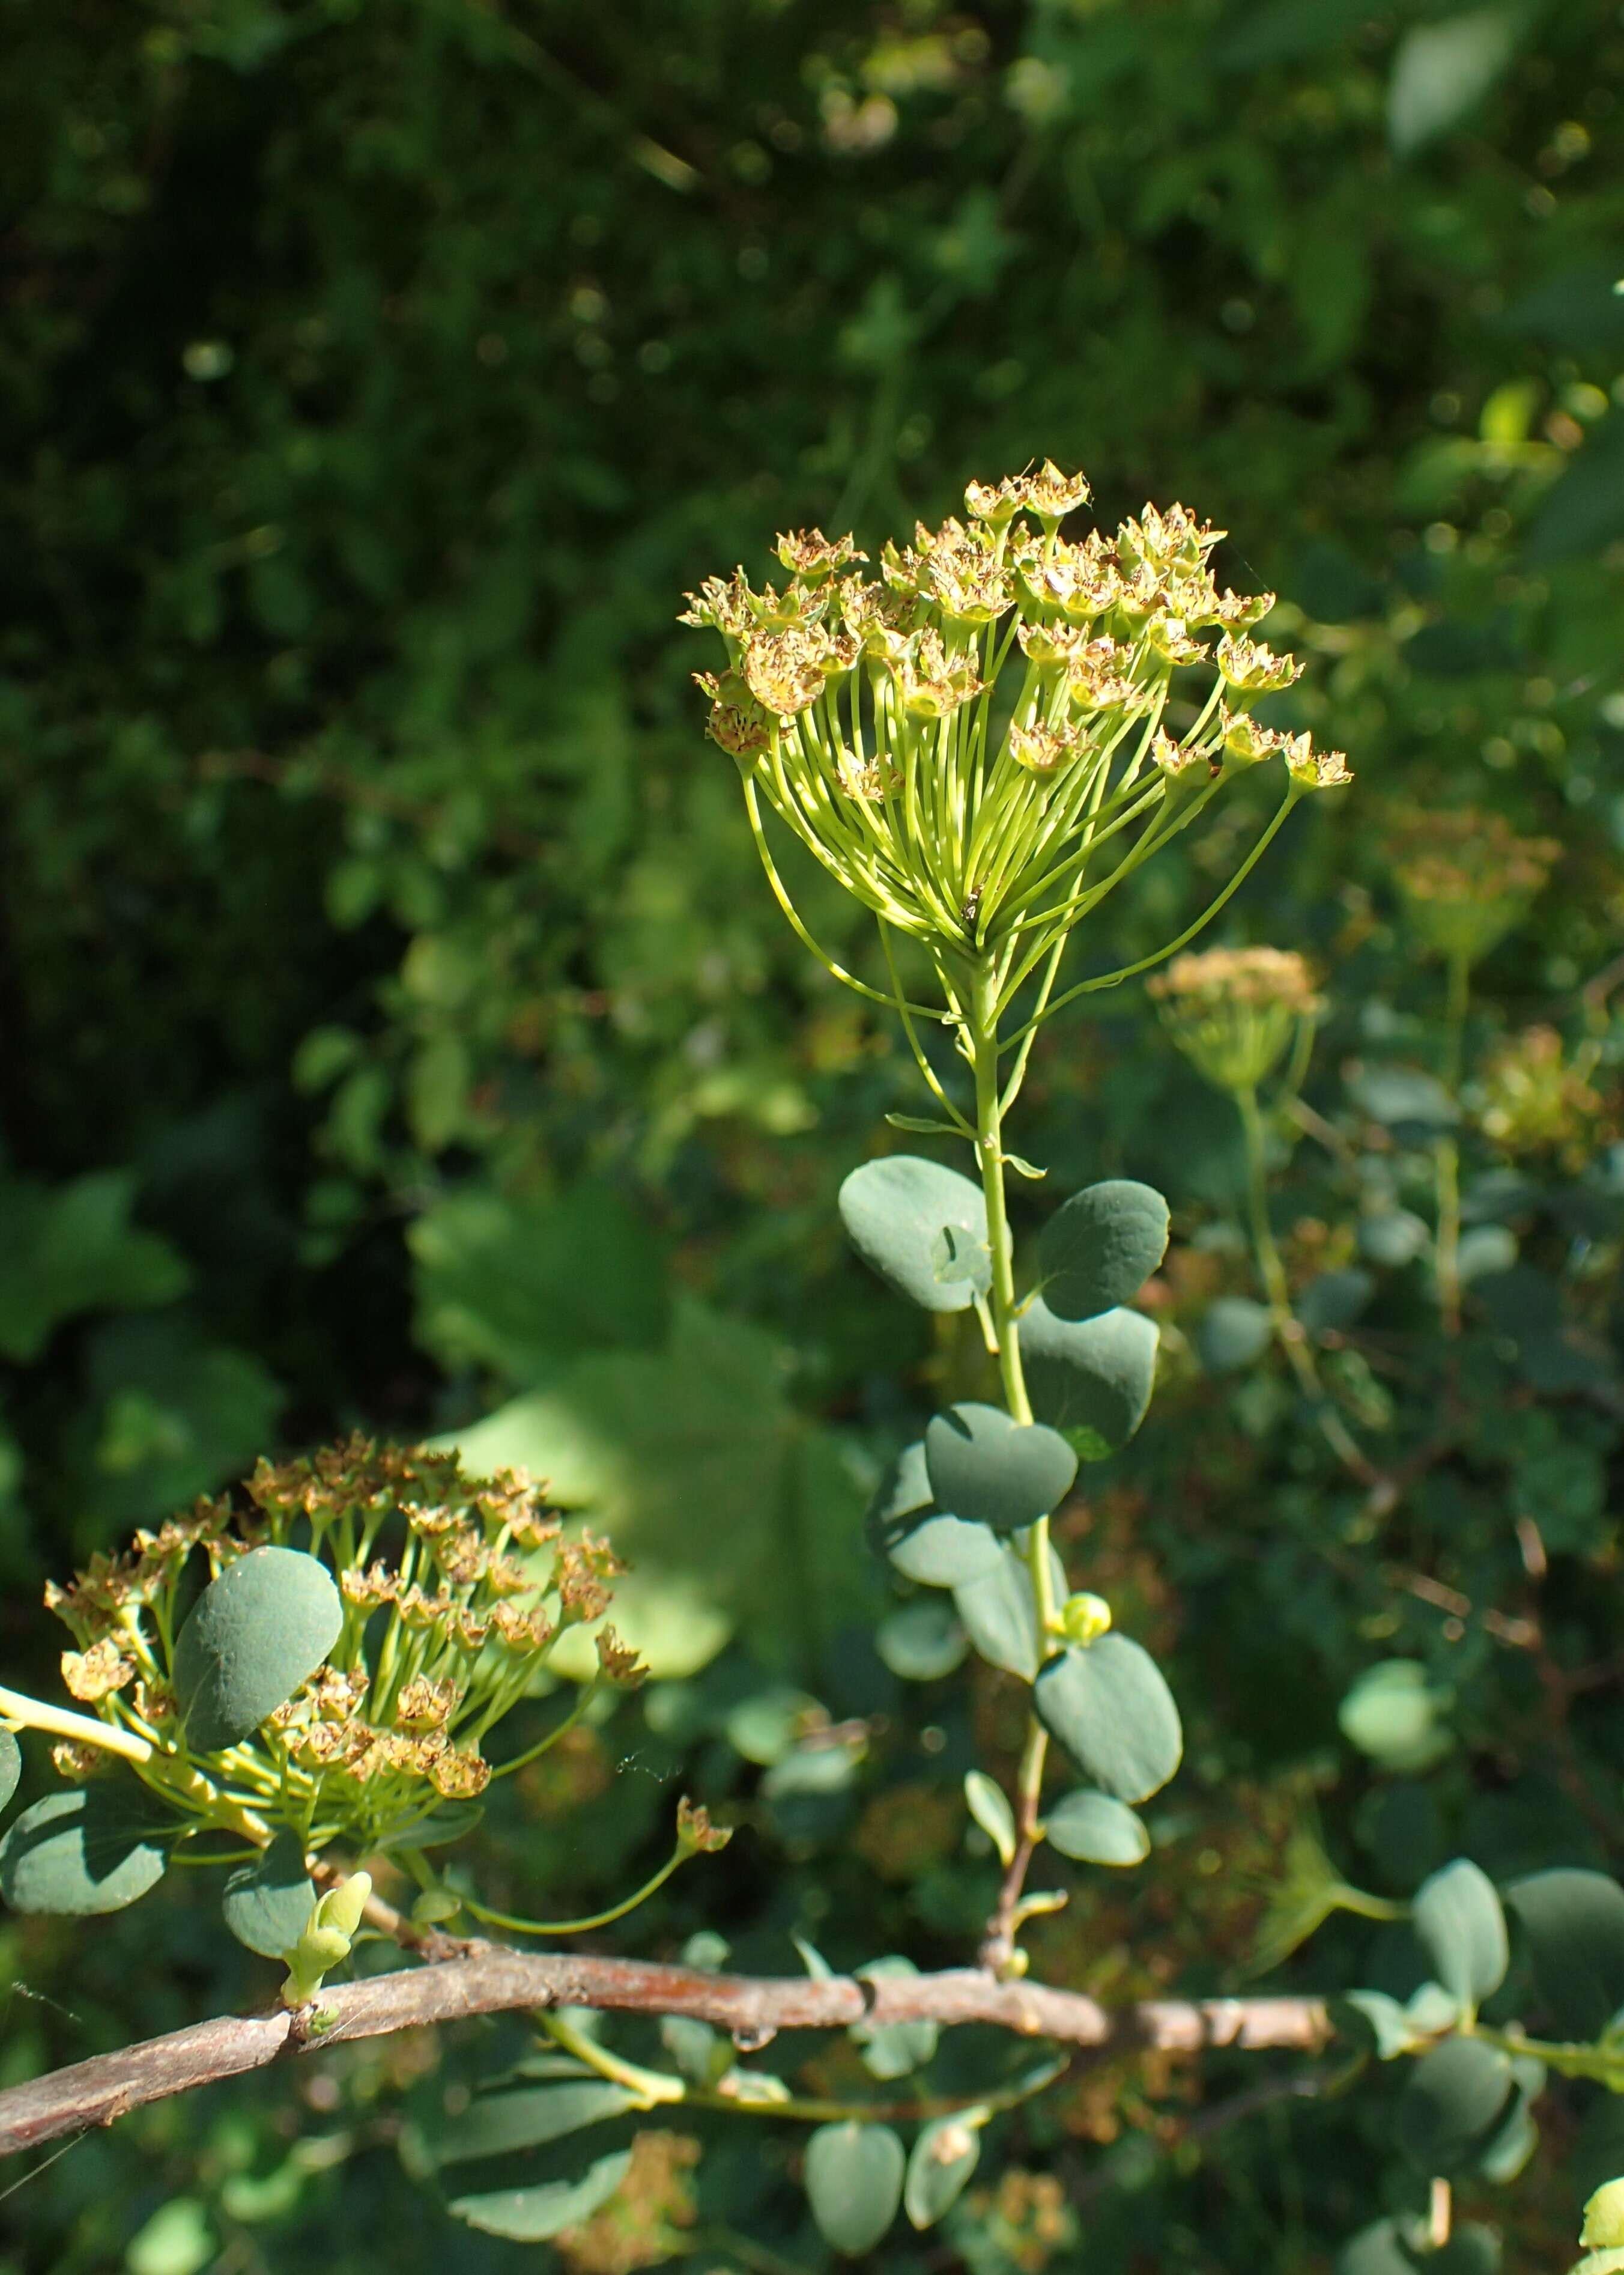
(454, 1590)
(978, 741)
(1234, 1011)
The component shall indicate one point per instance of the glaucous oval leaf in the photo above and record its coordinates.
(1101, 1248)
(1096, 1829)
(1452, 2103)
(989, 1804)
(11, 1766)
(893, 2050)
(266, 1903)
(496, 2124)
(1573, 1925)
(535, 2215)
(250, 1640)
(923, 1642)
(1089, 1378)
(996, 1609)
(1109, 1706)
(988, 1469)
(1458, 1919)
(944, 2156)
(1231, 1333)
(922, 1228)
(854, 2184)
(944, 1552)
(905, 1526)
(92, 1849)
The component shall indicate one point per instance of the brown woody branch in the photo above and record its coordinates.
(490, 1980)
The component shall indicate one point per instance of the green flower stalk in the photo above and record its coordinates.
(980, 744)
(1466, 880)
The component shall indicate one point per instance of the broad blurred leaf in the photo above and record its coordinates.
(1442, 70)
(730, 1504)
(1462, 1929)
(1231, 1333)
(174, 1416)
(250, 1640)
(1573, 1924)
(1452, 2104)
(72, 1249)
(1394, 1713)
(922, 1228)
(11, 1766)
(1097, 1830)
(1110, 1707)
(854, 2184)
(525, 1287)
(923, 1642)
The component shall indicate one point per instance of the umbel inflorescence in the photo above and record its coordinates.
(322, 1665)
(987, 737)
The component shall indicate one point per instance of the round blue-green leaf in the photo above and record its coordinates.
(93, 1850)
(1453, 2104)
(923, 1642)
(1462, 1928)
(1095, 1829)
(893, 2050)
(1232, 1333)
(996, 1609)
(266, 1903)
(922, 1228)
(526, 2116)
(988, 1469)
(250, 1640)
(1092, 1379)
(1573, 1925)
(854, 2184)
(944, 2156)
(1109, 1707)
(1099, 1250)
(535, 2215)
(10, 1765)
(905, 1526)
(1394, 1713)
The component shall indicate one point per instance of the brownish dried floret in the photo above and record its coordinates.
(97, 1673)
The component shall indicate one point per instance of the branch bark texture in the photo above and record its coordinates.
(491, 1980)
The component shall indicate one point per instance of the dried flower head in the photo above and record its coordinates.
(1533, 1100)
(1234, 1012)
(1466, 879)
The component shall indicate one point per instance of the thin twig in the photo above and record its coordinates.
(497, 1981)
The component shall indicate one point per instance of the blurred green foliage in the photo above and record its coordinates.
(397, 1032)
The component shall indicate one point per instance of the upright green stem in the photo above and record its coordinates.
(982, 1025)
(1287, 1326)
(1446, 1155)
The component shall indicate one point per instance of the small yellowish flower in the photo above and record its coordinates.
(97, 1673)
